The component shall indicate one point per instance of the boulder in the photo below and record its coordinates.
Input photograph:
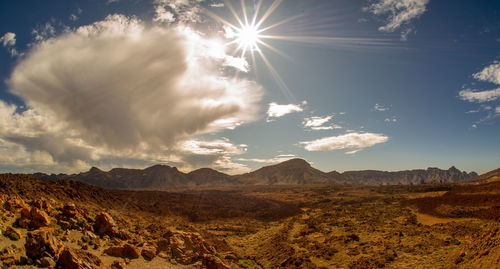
(213, 262)
(117, 265)
(12, 234)
(47, 262)
(38, 218)
(185, 247)
(105, 224)
(148, 251)
(41, 243)
(69, 210)
(14, 204)
(71, 258)
(124, 251)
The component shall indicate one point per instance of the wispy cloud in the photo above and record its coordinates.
(491, 74)
(354, 141)
(400, 14)
(277, 111)
(379, 107)
(277, 159)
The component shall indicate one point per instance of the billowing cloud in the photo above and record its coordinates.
(277, 111)
(114, 88)
(400, 13)
(8, 40)
(354, 141)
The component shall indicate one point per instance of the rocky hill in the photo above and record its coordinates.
(491, 176)
(407, 177)
(291, 172)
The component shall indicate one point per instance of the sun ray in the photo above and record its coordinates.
(244, 9)
(256, 12)
(268, 12)
(235, 14)
(276, 76)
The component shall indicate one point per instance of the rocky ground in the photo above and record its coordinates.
(73, 225)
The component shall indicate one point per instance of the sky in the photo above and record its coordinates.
(239, 84)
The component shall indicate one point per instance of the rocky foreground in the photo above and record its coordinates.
(48, 232)
(67, 224)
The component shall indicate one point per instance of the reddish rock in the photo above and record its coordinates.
(69, 210)
(14, 204)
(105, 224)
(185, 247)
(12, 234)
(41, 243)
(125, 251)
(117, 265)
(78, 259)
(38, 218)
(42, 204)
(148, 252)
(213, 262)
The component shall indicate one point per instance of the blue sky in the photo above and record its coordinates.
(346, 85)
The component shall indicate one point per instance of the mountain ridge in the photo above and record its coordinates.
(291, 172)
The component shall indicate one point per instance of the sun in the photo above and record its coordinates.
(248, 38)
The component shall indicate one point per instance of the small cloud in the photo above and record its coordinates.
(497, 110)
(162, 15)
(474, 125)
(277, 111)
(8, 40)
(379, 107)
(472, 111)
(318, 123)
(490, 73)
(217, 5)
(354, 141)
(111, 1)
(392, 119)
(73, 17)
(43, 32)
(479, 96)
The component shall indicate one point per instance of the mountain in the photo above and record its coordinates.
(406, 177)
(291, 172)
(490, 176)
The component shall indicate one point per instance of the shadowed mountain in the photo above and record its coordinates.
(291, 172)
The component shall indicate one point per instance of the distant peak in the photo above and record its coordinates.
(296, 162)
(95, 170)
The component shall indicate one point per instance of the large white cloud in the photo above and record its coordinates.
(356, 141)
(121, 88)
(400, 13)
